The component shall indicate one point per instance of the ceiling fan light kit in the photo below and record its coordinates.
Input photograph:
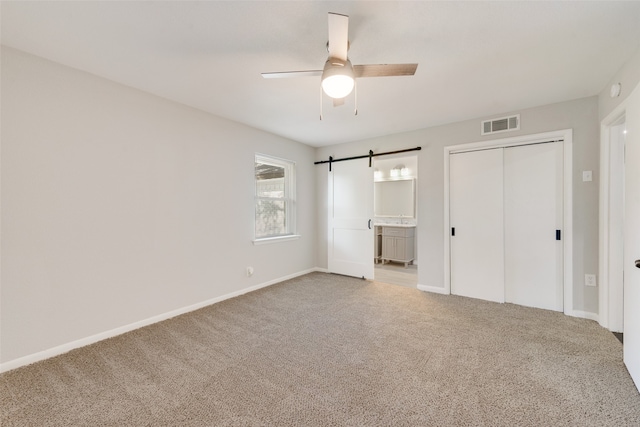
(337, 78)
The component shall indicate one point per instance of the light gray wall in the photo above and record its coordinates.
(580, 115)
(629, 77)
(118, 206)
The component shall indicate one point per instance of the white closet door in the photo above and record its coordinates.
(350, 240)
(532, 214)
(476, 214)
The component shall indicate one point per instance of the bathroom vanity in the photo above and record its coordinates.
(395, 243)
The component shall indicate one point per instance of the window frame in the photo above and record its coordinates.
(289, 199)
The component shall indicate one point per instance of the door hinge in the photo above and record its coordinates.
(558, 237)
(453, 231)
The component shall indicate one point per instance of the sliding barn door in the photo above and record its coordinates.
(350, 240)
(476, 209)
(533, 246)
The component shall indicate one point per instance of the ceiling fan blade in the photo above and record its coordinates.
(338, 36)
(286, 74)
(384, 70)
(338, 102)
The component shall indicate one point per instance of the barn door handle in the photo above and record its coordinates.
(638, 263)
(369, 224)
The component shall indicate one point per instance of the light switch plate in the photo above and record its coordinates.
(587, 176)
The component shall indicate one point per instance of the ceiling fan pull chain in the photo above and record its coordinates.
(355, 95)
(321, 103)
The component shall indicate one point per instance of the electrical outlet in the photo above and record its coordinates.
(249, 271)
(589, 279)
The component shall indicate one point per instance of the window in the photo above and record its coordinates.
(274, 197)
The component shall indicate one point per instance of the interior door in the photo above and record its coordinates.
(350, 240)
(533, 210)
(632, 238)
(476, 219)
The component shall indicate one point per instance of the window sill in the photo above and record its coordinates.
(269, 240)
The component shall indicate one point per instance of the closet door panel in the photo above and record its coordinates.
(476, 213)
(532, 214)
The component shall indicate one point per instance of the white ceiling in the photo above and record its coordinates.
(475, 58)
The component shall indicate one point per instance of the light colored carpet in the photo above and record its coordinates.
(326, 350)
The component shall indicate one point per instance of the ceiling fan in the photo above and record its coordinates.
(338, 75)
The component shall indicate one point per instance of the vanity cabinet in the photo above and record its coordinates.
(377, 251)
(398, 244)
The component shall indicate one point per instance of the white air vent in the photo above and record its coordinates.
(503, 124)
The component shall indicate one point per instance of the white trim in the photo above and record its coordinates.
(583, 315)
(566, 135)
(434, 289)
(269, 240)
(290, 194)
(447, 225)
(64, 348)
(604, 305)
(567, 222)
(509, 142)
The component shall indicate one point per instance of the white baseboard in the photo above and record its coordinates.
(434, 289)
(583, 314)
(574, 313)
(64, 348)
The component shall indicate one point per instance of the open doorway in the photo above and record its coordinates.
(396, 221)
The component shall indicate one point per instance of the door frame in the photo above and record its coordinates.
(607, 306)
(566, 135)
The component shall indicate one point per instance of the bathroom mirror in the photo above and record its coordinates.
(395, 198)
